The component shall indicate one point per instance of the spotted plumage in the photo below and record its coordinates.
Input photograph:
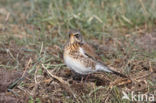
(81, 57)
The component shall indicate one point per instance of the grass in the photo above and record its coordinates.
(36, 31)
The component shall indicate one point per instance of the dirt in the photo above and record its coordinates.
(6, 78)
(11, 70)
(42, 86)
(147, 41)
(8, 98)
(48, 89)
(15, 56)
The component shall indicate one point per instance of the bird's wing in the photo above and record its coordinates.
(90, 53)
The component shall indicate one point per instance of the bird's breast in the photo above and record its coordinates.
(75, 64)
(75, 59)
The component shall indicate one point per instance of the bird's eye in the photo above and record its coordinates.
(77, 36)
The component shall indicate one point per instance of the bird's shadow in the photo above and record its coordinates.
(89, 78)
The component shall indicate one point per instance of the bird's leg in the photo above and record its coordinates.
(82, 78)
(86, 78)
(77, 76)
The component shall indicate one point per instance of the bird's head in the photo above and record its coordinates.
(75, 36)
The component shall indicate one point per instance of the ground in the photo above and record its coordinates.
(32, 36)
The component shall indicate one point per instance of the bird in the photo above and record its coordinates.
(81, 58)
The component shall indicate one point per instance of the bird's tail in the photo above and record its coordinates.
(107, 69)
(119, 74)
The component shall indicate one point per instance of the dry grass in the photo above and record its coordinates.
(32, 35)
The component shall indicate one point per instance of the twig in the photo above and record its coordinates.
(27, 65)
(14, 83)
(120, 82)
(7, 17)
(141, 77)
(100, 87)
(150, 67)
(36, 83)
(65, 84)
(142, 4)
(26, 91)
(108, 96)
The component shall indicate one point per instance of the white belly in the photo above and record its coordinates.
(76, 65)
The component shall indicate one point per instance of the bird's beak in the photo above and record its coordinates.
(71, 37)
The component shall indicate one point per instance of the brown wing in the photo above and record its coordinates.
(90, 52)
